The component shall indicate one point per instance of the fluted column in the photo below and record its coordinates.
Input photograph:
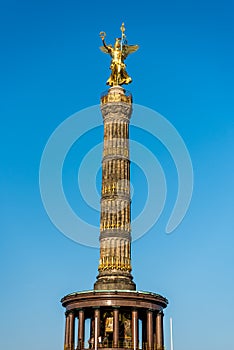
(116, 328)
(135, 329)
(81, 324)
(159, 331)
(115, 222)
(150, 338)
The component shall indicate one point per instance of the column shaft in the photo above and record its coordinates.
(135, 329)
(81, 329)
(71, 330)
(159, 331)
(144, 333)
(96, 327)
(115, 224)
(66, 341)
(116, 328)
(150, 338)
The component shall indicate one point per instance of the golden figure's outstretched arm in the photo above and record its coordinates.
(105, 48)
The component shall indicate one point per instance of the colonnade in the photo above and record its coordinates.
(152, 329)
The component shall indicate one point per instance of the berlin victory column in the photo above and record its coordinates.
(118, 315)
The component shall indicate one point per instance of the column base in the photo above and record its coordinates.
(68, 347)
(114, 281)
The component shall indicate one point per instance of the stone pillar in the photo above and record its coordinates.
(135, 329)
(96, 327)
(81, 329)
(115, 221)
(159, 331)
(71, 332)
(116, 328)
(66, 341)
(150, 339)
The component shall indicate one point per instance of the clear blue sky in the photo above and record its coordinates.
(50, 68)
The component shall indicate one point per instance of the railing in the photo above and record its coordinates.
(125, 344)
(121, 348)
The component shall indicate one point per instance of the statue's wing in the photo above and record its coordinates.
(127, 49)
(104, 49)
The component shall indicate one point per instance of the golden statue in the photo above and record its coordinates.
(118, 53)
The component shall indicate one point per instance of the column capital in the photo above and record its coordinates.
(135, 308)
(69, 312)
(160, 313)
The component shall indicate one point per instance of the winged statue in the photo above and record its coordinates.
(118, 53)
